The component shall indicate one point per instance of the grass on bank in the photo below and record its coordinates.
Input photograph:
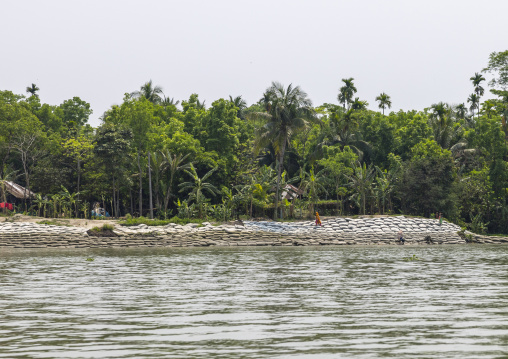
(55, 222)
(131, 221)
(105, 227)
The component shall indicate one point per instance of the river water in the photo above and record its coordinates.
(264, 302)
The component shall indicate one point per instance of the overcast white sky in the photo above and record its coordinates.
(418, 52)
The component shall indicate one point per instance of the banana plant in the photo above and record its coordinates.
(56, 200)
(39, 202)
(69, 200)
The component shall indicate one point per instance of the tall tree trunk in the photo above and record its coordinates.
(168, 192)
(150, 186)
(27, 178)
(363, 202)
(140, 187)
(132, 201)
(113, 205)
(279, 174)
(79, 181)
(277, 189)
(157, 198)
(118, 202)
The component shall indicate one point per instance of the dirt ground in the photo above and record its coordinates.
(83, 223)
(90, 223)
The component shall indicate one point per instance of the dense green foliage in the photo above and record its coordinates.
(150, 157)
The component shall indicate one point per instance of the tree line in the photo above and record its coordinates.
(280, 157)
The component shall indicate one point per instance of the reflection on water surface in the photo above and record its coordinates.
(298, 302)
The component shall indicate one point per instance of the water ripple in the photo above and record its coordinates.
(301, 302)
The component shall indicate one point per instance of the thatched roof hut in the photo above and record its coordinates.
(18, 191)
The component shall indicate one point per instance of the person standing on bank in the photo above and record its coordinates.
(400, 237)
(318, 220)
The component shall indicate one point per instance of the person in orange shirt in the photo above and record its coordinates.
(318, 220)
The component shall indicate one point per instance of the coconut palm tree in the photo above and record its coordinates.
(200, 105)
(150, 92)
(32, 90)
(347, 92)
(384, 101)
(198, 186)
(169, 102)
(288, 110)
(240, 103)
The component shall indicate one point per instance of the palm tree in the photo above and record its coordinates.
(342, 129)
(240, 103)
(173, 164)
(477, 79)
(198, 187)
(440, 111)
(478, 89)
(288, 110)
(166, 102)
(158, 165)
(150, 92)
(359, 105)
(383, 188)
(347, 92)
(200, 105)
(361, 181)
(384, 101)
(461, 111)
(32, 90)
(446, 131)
(312, 183)
(475, 101)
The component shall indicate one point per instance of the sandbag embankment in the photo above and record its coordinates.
(334, 231)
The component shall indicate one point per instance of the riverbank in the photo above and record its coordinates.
(334, 231)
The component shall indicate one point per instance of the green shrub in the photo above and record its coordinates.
(105, 227)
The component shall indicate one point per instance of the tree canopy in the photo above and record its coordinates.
(279, 157)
